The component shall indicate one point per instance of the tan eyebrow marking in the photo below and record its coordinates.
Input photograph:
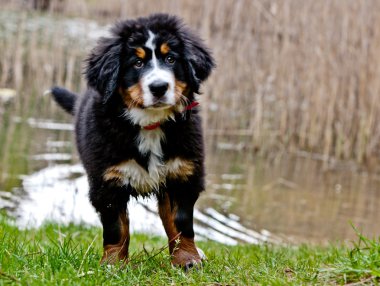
(164, 49)
(140, 52)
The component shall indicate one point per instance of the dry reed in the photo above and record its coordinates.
(292, 75)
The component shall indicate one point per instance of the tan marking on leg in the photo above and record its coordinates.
(113, 174)
(114, 253)
(179, 169)
(167, 216)
(140, 52)
(164, 49)
(181, 248)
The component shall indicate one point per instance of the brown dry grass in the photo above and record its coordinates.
(292, 75)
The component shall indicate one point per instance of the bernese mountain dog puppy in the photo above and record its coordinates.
(138, 129)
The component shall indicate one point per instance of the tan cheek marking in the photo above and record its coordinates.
(179, 169)
(140, 52)
(133, 96)
(179, 90)
(164, 49)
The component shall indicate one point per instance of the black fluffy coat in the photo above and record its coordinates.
(106, 138)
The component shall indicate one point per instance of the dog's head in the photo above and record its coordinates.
(152, 63)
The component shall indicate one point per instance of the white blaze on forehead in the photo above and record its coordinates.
(157, 73)
(149, 44)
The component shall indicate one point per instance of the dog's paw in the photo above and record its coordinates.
(193, 264)
(186, 260)
(196, 264)
(114, 255)
(188, 264)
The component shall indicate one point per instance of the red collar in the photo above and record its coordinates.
(157, 124)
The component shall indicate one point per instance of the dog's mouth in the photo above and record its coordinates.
(159, 105)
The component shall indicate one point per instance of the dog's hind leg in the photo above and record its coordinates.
(177, 218)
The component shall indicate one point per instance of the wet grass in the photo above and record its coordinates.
(69, 255)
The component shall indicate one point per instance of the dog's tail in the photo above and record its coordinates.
(66, 99)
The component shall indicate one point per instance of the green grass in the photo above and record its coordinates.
(57, 255)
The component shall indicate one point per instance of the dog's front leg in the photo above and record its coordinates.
(115, 235)
(177, 217)
(112, 207)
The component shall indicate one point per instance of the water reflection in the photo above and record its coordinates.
(248, 199)
(59, 192)
(299, 197)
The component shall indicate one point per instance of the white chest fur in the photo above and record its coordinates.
(146, 181)
(150, 141)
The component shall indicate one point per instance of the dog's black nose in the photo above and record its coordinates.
(158, 88)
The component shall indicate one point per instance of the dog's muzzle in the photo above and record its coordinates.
(158, 89)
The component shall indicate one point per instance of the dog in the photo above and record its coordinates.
(138, 129)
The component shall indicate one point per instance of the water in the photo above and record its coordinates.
(296, 197)
(56, 189)
(289, 198)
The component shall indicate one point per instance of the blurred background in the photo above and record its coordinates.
(290, 115)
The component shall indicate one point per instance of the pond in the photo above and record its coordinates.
(290, 197)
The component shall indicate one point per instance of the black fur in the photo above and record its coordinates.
(104, 62)
(66, 99)
(106, 138)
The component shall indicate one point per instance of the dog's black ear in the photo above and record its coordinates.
(200, 59)
(103, 65)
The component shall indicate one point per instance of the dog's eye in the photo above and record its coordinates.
(170, 60)
(138, 63)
